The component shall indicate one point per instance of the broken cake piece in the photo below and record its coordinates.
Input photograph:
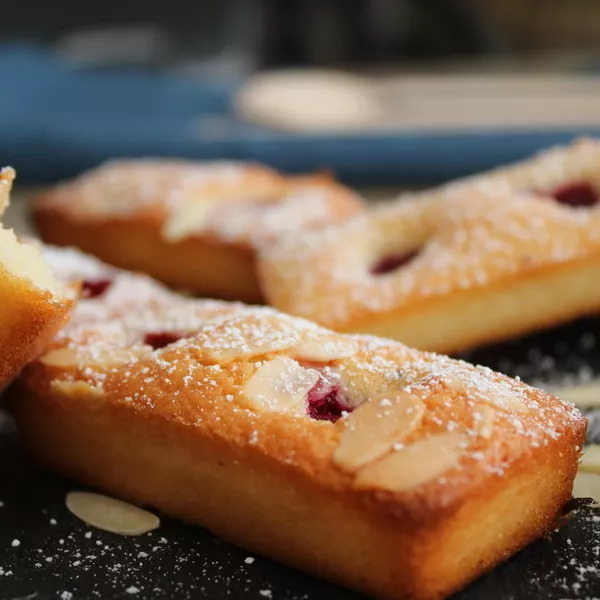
(34, 305)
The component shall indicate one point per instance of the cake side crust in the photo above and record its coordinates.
(201, 266)
(255, 501)
(516, 305)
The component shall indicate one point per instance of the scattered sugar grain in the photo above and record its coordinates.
(132, 590)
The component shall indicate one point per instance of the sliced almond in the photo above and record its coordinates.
(190, 215)
(583, 396)
(415, 464)
(375, 426)
(63, 357)
(76, 388)
(498, 395)
(591, 459)
(111, 357)
(484, 417)
(111, 514)
(242, 336)
(107, 357)
(505, 399)
(7, 175)
(324, 348)
(280, 385)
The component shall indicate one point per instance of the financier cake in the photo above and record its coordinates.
(32, 304)
(389, 470)
(480, 260)
(193, 225)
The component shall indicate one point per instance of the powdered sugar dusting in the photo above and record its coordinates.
(121, 188)
(239, 203)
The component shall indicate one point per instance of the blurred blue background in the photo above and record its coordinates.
(83, 84)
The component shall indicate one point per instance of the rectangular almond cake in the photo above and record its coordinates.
(393, 471)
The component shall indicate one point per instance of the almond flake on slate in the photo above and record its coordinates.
(591, 459)
(415, 464)
(110, 514)
(587, 485)
(375, 426)
(583, 396)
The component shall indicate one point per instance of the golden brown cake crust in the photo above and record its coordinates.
(482, 258)
(356, 458)
(161, 217)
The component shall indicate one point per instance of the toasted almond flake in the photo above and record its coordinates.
(110, 514)
(415, 464)
(504, 399)
(587, 485)
(104, 357)
(375, 426)
(484, 417)
(280, 385)
(111, 357)
(583, 396)
(7, 176)
(76, 388)
(591, 459)
(240, 335)
(191, 215)
(63, 357)
(324, 348)
(498, 396)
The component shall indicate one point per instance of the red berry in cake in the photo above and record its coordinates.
(391, 262)
(160, 339)
(94, 288)
(577, 193)
(325, 402)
